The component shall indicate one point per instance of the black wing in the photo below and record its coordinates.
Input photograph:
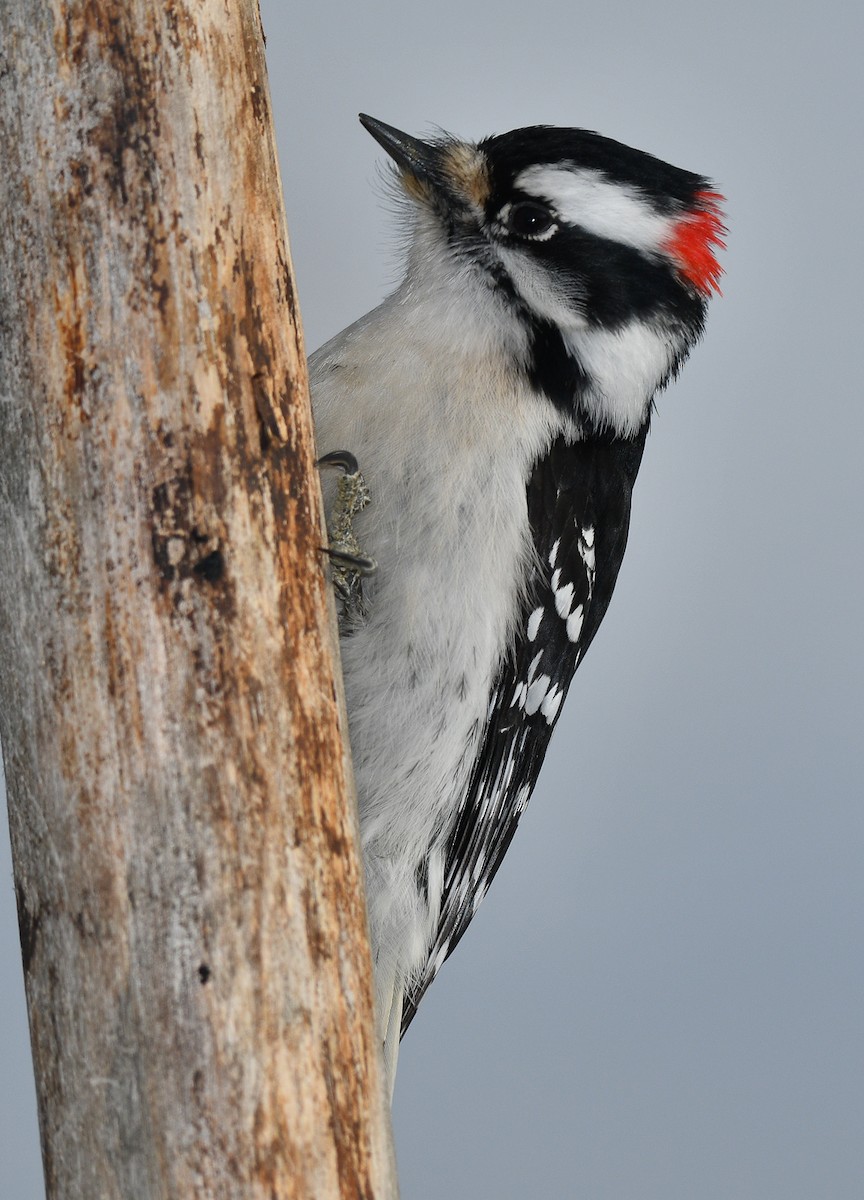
(579, 512)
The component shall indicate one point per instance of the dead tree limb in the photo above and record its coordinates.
(189, 888)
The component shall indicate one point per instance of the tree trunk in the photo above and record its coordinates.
(183, 824)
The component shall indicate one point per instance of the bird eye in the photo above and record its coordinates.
(529, 219)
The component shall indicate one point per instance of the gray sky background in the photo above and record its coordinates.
(663, 996)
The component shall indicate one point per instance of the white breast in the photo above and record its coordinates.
(446, 439)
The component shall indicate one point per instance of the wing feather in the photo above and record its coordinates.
(579, 513)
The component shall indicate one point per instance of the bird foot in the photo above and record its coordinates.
(350, 566)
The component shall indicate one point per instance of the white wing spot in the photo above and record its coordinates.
(588, 535)
(563, 600)
(553, 553)
(535, 662)
(574, 623)
(586, 553)
(534, 623)
(549, 707)
(536, 694)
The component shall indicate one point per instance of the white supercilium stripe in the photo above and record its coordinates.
(587, 199)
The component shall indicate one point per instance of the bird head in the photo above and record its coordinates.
(605, 255)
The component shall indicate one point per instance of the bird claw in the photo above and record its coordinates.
(360, 563)
(340, 458)
(350, 566)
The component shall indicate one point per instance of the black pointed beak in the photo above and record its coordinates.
(420, 159)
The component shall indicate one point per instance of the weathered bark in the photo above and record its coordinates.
(189, 888)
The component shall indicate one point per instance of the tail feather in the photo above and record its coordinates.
(389, 995)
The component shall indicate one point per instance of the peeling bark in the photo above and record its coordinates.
(189, 886)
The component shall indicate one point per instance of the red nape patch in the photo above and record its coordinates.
(693, 241)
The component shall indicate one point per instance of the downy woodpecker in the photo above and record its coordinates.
(498, 404)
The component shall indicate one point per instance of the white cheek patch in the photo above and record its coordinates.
(625, 366)
(610, 210)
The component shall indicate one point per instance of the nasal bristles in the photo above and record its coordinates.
(694, 239)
